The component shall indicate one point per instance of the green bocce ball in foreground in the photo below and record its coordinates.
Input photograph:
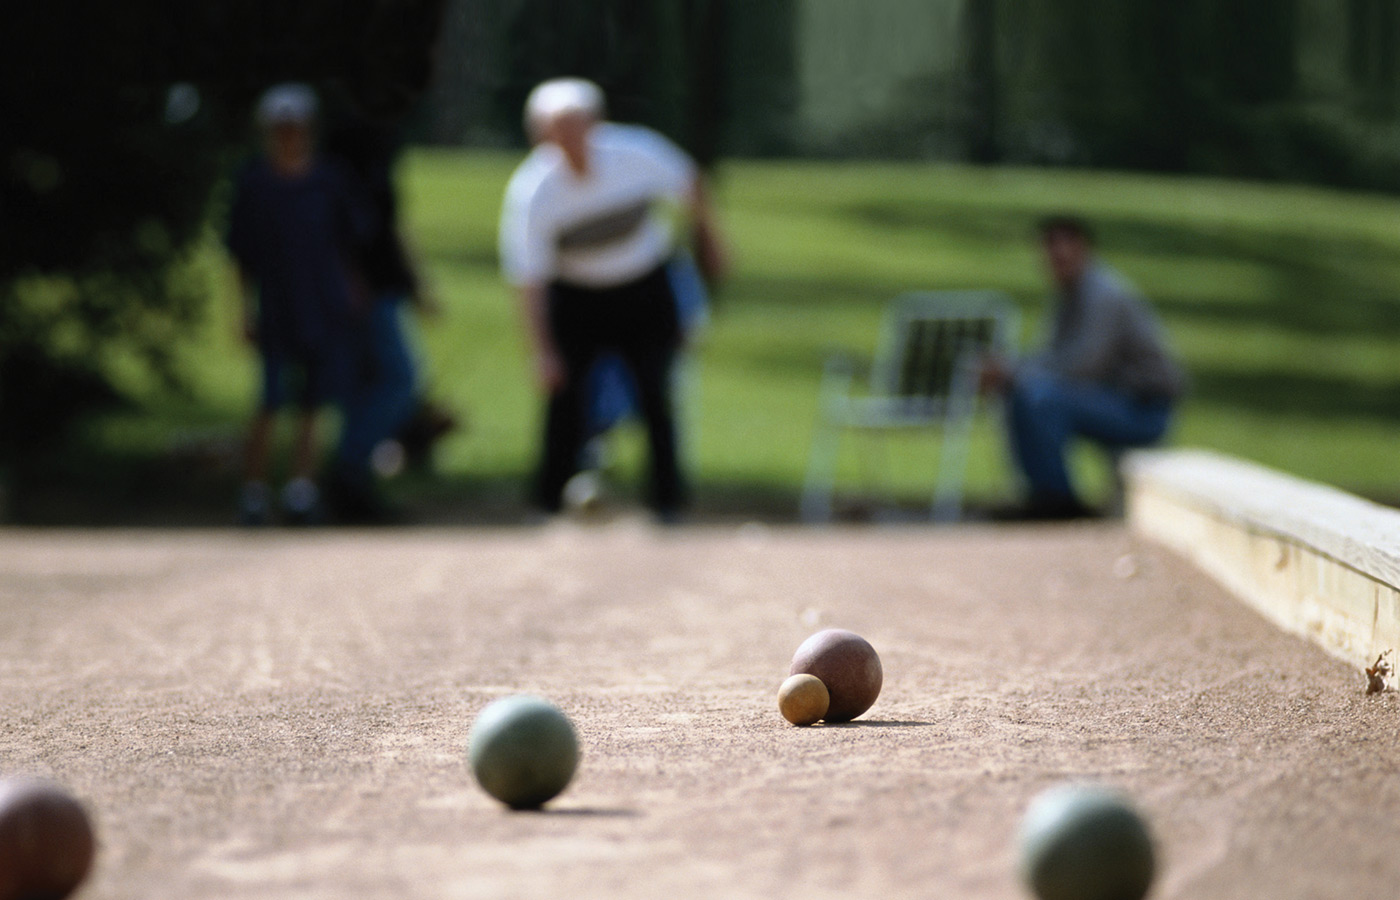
(523, 751)
(1080, 842)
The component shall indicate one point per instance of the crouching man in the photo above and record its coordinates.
(1106, 374)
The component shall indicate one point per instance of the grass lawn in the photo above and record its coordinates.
(1283, 301)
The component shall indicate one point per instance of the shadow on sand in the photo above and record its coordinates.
(590, 812)
(875, 723)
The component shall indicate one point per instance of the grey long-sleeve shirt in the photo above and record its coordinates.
(1103, 331)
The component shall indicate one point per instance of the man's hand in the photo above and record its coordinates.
(994, 375)
(426, 303)
(711, 255)
(550, 370)
(249, 328)
(247, 305)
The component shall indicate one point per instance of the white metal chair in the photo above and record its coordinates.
(925, 376)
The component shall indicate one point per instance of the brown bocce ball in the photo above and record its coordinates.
(848, 666)
(46, 842)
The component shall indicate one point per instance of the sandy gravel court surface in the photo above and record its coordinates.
(285, 715)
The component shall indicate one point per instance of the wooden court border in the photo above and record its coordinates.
(1317, 561)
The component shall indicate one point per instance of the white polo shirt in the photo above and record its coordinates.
(601, 230)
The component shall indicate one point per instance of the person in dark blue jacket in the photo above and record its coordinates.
(293, 232)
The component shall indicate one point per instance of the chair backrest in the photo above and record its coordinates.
(927, 334)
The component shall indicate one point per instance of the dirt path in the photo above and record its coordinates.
(285, 715)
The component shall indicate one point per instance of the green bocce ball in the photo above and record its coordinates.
(523, 751)
(1081, 842)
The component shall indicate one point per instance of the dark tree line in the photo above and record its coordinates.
(1300, 90)
(1144, 85)
(119, 120)
(685, 67)
(1291, 89)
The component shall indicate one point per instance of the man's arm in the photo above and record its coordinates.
(527, 259)
(549, 365)
(423, 294)
(995, 374)
(241, 249)
(711, 255)
(247, 299)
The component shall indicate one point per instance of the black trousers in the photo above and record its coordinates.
(636, 321)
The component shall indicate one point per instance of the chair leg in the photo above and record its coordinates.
(1118, 497)
(877, 487)
(956, 442)
(948, 495)
(820, 482)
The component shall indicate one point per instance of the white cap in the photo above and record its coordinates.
(560, 96)
(287, 103)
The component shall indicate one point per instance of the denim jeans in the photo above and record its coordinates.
(383, 398)
(1047, 411)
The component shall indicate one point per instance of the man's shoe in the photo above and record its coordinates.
(1045, 509)
(253, 508)
(301, 502)
(356, 501)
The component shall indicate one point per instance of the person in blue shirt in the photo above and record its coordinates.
(390, 422)
(293, 232)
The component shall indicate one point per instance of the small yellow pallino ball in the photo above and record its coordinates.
(803, 699)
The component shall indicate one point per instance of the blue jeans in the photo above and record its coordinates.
(383, 398)
(1047, 411)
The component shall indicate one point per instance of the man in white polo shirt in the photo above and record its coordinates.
(585, 242)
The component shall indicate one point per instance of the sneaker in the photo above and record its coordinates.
(388, 458)
(583, 493)
(1045, 509)
(428, 425)
(670, 516)
(254, 508)
(353, 499)
(301, 502)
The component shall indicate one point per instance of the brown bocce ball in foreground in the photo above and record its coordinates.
(46, 842)
(848, 666)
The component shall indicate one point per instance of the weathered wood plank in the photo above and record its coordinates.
(1315, 560)
(1351, 530)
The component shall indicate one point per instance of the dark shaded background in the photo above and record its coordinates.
(120, 119)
